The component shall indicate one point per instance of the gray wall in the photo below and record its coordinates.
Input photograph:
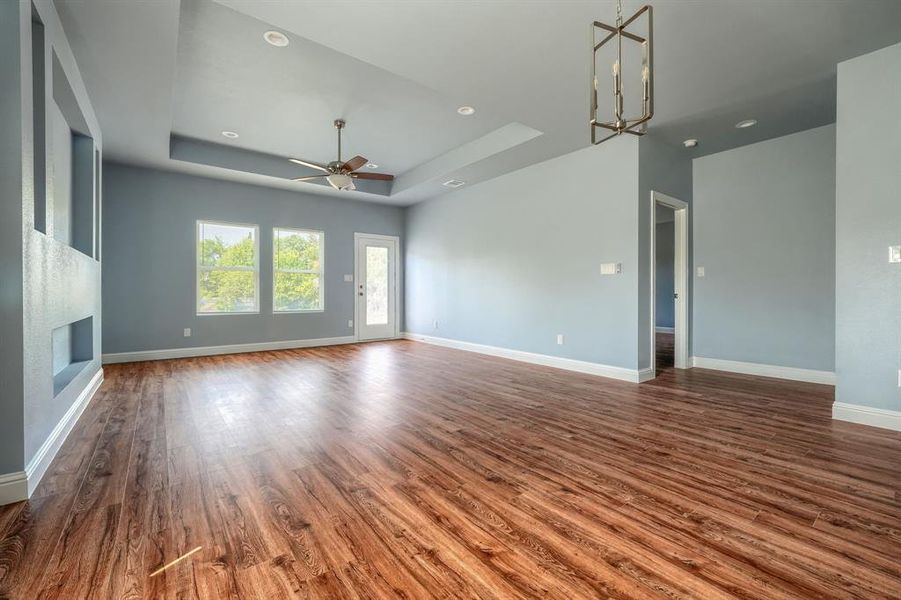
(13, 102)
(53, 284)
(764, 223)
(868, 221)
(665, 288)
(62, 285)
(662, 168)
(149, 258)
(514, 261)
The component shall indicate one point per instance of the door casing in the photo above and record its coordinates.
(359, 272)
(680, 276)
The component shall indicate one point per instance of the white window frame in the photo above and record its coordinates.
(202, 268)
(320, 271)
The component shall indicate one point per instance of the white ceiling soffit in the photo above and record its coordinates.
(397, 70)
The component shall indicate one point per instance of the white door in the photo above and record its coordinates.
(376, 286)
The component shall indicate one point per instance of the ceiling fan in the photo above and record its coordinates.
(339, 174)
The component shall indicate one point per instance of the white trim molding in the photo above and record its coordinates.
(557, 362)
(867, 415)
(122, 357)
(659, 329)
(13, 487)
(646, 374)
(38, 464)
(761, 370)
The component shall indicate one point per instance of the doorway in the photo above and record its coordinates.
(375, 286)
(669, 283)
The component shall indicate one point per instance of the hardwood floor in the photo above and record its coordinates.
(400, 469)
(666, 344)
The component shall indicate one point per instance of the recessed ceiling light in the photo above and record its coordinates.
(371, 166)
(746, 123)
(453, 183)
(230, 135)
(466, 111)
(690, 143)
(276, 38)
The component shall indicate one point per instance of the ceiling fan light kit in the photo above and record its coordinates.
(618, 35)
(339, 174)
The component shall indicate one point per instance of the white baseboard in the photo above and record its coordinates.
(665, 329)
(121, 357)
(38, 464)
(13, 487)
(792, 373)
(569, 364)
(866, 415)
(646, 375)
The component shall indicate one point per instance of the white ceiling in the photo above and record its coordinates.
(397, 69)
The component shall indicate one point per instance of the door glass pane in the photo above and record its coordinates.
(376, 285)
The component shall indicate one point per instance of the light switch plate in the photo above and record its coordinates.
(560, 339)
(348, 279)
(350, 322)
(700, 271)
(894, 254)
(187, 332)
(611, 268)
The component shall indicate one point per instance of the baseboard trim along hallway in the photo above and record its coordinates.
(569, 364)
(866, 415)
(761, 370)
(122, 357)
(38, 464)
(15, 487)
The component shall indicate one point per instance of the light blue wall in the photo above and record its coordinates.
(868, 221)
(514, 261)
(46, 283)
(12, 155)
(149, 258)
(764, 230)
(665, 169)
(665, 288)
(61, 284)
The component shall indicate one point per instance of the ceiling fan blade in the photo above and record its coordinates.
(308, 177)
(312, 165)
(353, 164)
(376, 176)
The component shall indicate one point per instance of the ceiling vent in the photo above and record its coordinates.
(453, 183)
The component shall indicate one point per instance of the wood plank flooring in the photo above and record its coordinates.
(400, 469)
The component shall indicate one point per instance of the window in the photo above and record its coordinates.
(297, 257)
(228, 268)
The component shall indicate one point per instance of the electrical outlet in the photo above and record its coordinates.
(899, 377)
(187, 332)
(559, 339)
(435, 324)
(350, 322)
(700, 271)
(894, 254)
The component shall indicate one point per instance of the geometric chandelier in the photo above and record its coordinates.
(614, 120)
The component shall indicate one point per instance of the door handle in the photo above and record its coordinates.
(676, 295)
